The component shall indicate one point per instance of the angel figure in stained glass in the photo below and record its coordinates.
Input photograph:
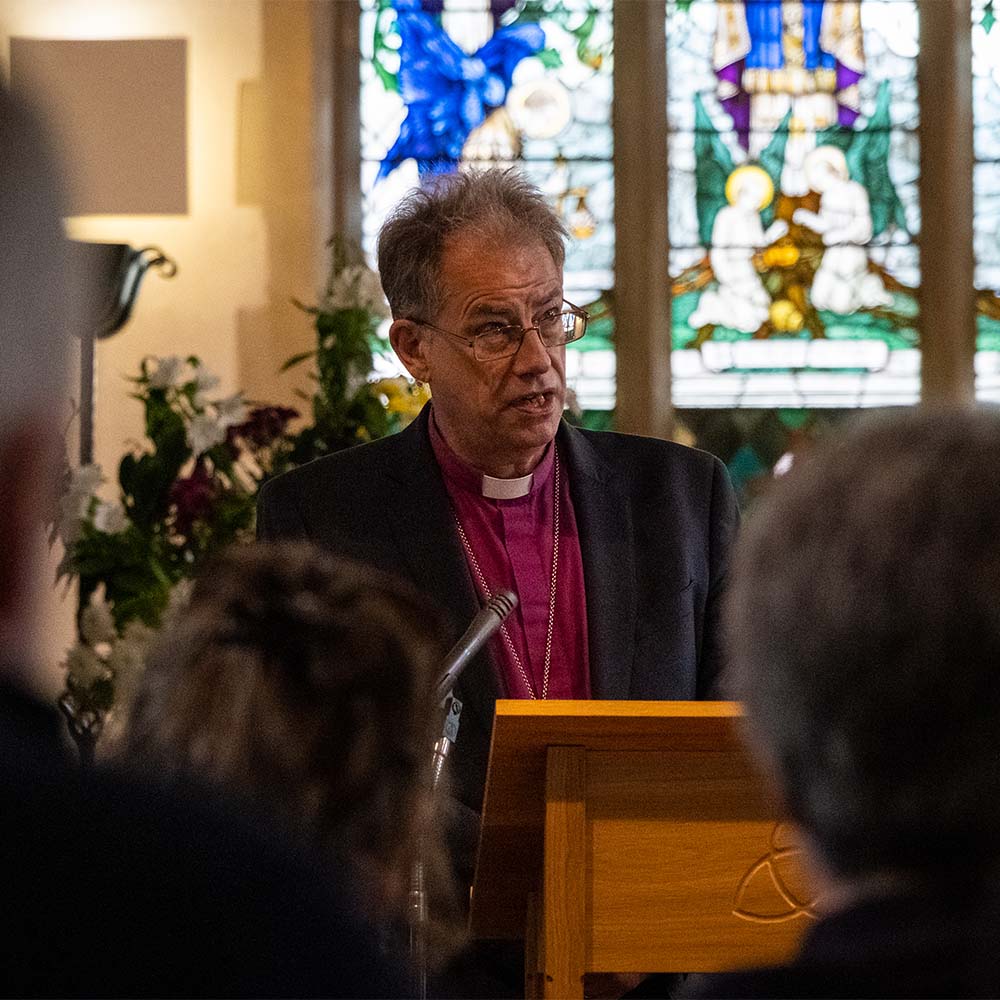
(797, 57)
(740, 301)
(842, 283)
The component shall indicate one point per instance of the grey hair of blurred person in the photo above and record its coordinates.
(494, 204)
(864, 635)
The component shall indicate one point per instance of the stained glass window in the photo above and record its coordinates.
(986, 188)
(793, 202)
(456, 84)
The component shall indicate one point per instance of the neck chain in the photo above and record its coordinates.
(484, 587)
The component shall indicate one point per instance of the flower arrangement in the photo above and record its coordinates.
(187, 492)
(190, 489)
(348, 408)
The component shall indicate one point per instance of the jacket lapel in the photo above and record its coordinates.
(421, 520)
(604, 521)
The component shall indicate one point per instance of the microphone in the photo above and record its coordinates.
(486, 622)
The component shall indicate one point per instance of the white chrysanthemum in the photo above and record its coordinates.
(97, 624)
(84, 665)
(110, 518)
(204, 432)
(169, 372)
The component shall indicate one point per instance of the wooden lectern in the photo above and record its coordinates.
(632, 837)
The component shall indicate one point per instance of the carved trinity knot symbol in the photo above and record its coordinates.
(773, 889)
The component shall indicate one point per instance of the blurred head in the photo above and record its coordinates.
(34, 342)
(864, 625)
(305, 683)
(474, 252)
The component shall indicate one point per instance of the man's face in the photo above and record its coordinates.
(498, 415)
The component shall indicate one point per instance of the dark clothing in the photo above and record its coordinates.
(939, 942)
(656, 521)
(113, 887)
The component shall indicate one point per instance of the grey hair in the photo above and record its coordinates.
(34, 285)
(864, 637)
(488, 203)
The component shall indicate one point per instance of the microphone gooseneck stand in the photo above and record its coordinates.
(486, 622)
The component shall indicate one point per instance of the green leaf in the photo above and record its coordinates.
(713, 165)
(549, 58)
(772, 159)
(389, 80)
(297, 359)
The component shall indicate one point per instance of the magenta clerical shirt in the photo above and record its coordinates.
(512, 542)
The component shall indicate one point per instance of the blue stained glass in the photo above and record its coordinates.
(456, 84)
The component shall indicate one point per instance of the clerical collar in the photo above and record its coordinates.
(507, 489)
(459, 473)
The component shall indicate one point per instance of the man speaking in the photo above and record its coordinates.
(616, 546)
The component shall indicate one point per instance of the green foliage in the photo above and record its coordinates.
(347, 408)
(713, 165)
(772, 160)
(867, 153)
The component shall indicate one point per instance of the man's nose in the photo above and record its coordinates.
(532, 356)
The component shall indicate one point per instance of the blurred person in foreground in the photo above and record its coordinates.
(865, 627)
(111, 886)
(305, 684)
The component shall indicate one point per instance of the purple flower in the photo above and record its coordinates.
(262, 428)
(192, 498)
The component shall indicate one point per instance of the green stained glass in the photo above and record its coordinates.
(793, 179)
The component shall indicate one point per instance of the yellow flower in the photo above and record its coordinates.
(785, 316)
(781, 255)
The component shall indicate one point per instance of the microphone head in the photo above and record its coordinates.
(502, 603)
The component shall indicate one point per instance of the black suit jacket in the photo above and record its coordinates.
(656, 522)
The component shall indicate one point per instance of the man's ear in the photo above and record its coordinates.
(410, 342)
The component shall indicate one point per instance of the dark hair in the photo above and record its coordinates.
(305, 682)
(494, 203)
(864, 633)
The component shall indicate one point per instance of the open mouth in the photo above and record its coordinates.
(535, 402)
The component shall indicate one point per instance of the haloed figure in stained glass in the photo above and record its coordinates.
(740, 300)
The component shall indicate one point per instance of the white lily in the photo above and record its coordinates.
(204, 381)
(74, 505)
(204, 432)
(168, 372)
(231, 410)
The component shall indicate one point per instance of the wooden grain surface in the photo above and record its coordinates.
(686, 866)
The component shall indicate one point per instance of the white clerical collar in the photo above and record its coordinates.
(507, 489)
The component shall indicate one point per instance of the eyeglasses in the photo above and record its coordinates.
(555, 328)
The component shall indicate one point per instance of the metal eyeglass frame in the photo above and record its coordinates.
(582, 318)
